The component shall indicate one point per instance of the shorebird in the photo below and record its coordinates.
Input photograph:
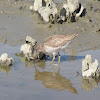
(53, 44)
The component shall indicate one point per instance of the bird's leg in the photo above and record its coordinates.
(58, 58)
(36, 54)
(53, 69)
(53, 59)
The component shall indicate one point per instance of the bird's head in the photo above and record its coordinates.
(38, 48)
(38, 52)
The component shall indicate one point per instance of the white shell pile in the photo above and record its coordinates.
(30, 40)
(45, 8)
(27, 49)
(37, 5)
(5, 60)
(69, 8)
(48, 9)
(89, 68)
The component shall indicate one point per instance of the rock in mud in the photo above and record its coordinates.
(27, 49)
(89, 68)
(46, 9)
(31, 41)
(5, 60)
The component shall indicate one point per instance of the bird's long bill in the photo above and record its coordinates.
(35, 54)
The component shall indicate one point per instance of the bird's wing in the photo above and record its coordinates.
(58, 40)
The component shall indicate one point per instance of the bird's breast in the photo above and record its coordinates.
(66, 45)
(51, 50)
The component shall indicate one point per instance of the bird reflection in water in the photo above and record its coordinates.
(54, 80)
(90, 83)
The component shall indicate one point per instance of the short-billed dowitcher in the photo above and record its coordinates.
(53, 44)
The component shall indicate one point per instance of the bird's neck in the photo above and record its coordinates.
(41, 48)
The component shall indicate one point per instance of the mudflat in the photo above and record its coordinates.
(17, 21)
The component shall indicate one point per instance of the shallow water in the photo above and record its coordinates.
(29, 80)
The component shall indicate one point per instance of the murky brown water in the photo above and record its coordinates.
(34, 81)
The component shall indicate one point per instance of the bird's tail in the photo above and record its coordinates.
(72, 36)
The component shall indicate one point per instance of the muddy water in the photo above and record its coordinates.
(28, 80)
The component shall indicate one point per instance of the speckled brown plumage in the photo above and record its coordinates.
(55, 41)
(58, 40)
(53, 44)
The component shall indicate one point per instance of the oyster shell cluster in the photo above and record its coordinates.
(47, 9)
(5, 60)
(89, 68)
